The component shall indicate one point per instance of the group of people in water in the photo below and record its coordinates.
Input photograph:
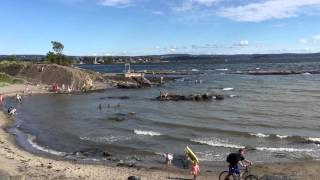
(12, 110)
(235, 160)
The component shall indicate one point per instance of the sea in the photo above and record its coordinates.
(276, 117)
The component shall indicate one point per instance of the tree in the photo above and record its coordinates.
(57, 57)
(57, 47)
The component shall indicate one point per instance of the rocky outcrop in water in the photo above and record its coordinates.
(192, 97)
(49, 74)
(134, 83)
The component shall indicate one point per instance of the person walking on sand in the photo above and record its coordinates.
(195, 170)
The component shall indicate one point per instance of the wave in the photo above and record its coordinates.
(227, 89)
(215, 142)
(109, 139)
(281, 136)
(306, 73)
(224, 69)
(283, 149)
(260, 135)
(313, 140)
(147, 133)
(31, 140)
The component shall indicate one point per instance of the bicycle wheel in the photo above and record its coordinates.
(226, 175)
(251, 177)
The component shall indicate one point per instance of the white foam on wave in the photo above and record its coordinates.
(31, 140)
(227, 89)
(281, 136)
(306, 73)
(283, 149)
(147, 133)
(312, 139)
(224, 69)
(217, 143)
(109, 139)
(195, 70)
(260, 135)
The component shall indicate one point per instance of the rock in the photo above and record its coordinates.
(192, 97)
(88, 84)
(219, 97)
(106, 154)
(128, 85)
(118, 119)
(118, 97)
(126, 164)
(132, 113)
(134, 178)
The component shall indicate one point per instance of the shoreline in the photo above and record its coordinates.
(15, 162)
(19, 163)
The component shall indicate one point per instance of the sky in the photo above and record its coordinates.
(145, 27)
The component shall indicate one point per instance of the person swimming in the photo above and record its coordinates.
(19, 98)
(11, 110)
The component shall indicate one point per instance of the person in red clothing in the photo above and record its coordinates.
(195, 170)
(1, 98)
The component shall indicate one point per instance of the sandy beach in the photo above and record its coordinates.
(19, 164)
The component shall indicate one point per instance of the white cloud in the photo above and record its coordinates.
(314, 40)
(316, 37)
(303, 41)
(244, 43)
(190, 4)
(116, 3)
(267, 9)
(159, 13)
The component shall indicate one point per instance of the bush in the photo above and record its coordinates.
(5, 79)
(58, 59)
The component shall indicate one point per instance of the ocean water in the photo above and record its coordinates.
(276, 117)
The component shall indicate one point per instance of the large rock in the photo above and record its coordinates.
(192, 97)
(49, 74)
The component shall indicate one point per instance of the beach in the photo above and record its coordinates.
(20, 164)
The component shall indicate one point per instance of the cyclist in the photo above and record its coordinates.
(234, 159)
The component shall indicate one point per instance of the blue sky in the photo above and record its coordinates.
(140, 27)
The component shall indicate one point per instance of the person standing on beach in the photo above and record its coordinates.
(195, 170)
(169, 158)
(1, 98)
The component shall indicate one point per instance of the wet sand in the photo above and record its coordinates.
(19, 164)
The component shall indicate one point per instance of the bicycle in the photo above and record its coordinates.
(246, 175)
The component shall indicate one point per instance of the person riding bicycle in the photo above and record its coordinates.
(234, 159)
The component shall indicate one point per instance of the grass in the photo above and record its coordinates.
(5, 80)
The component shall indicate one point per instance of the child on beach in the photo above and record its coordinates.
(169, 158)
(195, 170)
(1, 98)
